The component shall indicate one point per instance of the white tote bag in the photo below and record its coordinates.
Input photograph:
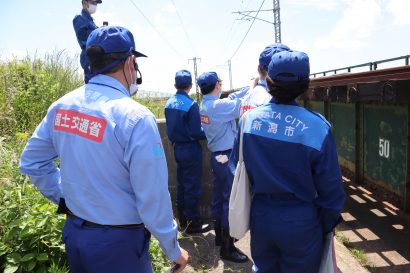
(240, 199)
(328, 262)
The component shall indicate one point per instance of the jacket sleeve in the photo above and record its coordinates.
(328, 181)
(234, 157)
(194, 123)
(145, 157)
(82, 30)
(228, 109)
(239, 94)
(38, 162)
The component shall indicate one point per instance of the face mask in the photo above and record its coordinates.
(92, 8)
(134, 86)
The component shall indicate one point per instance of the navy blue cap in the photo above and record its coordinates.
(183, 78)
(267, 53)
(207, 79)
(113, 40)
(289, 66)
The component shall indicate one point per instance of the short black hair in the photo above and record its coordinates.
(183, 87)
(207, 89)
(263, 70)
(285, 92)
(99, 59)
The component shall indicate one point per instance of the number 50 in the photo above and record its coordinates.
(384, 148)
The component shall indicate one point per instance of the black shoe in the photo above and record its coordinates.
(229, 252)
(197, 227)
(218, 232)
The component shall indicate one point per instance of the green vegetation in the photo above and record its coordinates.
(155, 105)
(358, 253)
(30, 230)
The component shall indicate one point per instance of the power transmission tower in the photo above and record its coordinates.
(194, 59)
(248, 14)
(276, 22)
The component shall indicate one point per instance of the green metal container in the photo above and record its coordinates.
(369, 113)
(316, 106)
(342, 118)
(385, 145)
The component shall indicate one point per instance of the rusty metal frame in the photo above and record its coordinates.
(396, 73)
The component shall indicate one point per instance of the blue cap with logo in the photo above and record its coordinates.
(207, 80)
(267, 53)
(113, 39)
(183, 78)
(289, 66)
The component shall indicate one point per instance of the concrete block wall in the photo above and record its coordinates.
(205, 202)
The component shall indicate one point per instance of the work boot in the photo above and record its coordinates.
(182, 222)
(229, 251)
(196, 227)
(218, 232)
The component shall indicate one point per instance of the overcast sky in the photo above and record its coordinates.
(334, 33)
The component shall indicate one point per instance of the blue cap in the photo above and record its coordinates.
(207, 79)
(289, 66)
(113, 39)
(183, 78)
(267, 53)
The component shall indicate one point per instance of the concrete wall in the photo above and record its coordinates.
(205, 202)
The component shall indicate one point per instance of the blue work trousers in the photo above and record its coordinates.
(106, 249)
(286, 236)
(188, 157)
(222, 185)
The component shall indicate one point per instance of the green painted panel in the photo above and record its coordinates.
(342, 118)
(385, 146)
(317, 106)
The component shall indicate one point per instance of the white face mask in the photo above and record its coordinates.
(91, 8)
(134, 86)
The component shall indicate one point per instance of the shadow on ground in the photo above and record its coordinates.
(204, 255)
(378, 228)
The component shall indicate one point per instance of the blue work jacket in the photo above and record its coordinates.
(83, 25)
(218, 120)
(290, 151)
(113, 169)
(182, 118)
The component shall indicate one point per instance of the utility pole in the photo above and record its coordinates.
(230, 74)
(194, 59)
(249, 14)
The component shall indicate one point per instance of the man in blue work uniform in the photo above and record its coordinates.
(184, 131)
(218, 120)
(83, 25)
(292, 164)
(113, 174)
(258, 95)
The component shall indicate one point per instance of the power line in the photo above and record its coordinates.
(248, 30)
(229, 37)
(156, 30)
(183, 27)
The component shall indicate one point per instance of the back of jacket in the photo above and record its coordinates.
(182, 119)
(290, 151)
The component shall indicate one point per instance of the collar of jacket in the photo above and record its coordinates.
(86, 14)
(209, 97)
(182, 92)
(108, 81)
